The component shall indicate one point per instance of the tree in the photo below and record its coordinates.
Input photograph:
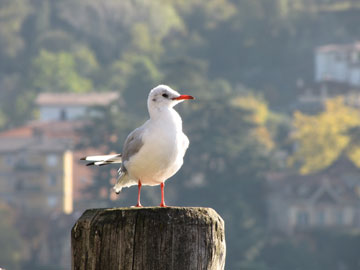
(11, 244)
(16, 104)
(115, 27)
(314, 250)
(12, 16)
(322, 139)
(283, 254)
(224, 167)
(56, 72)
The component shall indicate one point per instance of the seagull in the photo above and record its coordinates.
(153, 152)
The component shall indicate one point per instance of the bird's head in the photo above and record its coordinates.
(163, 96)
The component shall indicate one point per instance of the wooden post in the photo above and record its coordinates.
(171, 238)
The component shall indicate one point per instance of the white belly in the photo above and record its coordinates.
(159, 158)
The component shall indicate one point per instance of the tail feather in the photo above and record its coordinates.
(90, 164)
(123, 180)
(103, 159)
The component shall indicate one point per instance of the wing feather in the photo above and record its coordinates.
(133, 143)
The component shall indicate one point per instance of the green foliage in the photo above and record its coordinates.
(284, 254)
(15, 103)
(143, 74)
(323, 138)
(134, 75)
(224, 168)
(85, 61)
(10, 240)
(3, 119)
(114, 27)
(55, 41)
(228, 40)
(320, 250)
(56, 72)
(208, 49)
(12, 16)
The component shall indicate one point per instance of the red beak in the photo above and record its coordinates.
(182, 97)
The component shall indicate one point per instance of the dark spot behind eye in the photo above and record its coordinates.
(165, 95)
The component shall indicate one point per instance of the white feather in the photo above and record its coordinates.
(115, 157)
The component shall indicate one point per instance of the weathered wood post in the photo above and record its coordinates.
(171, 238)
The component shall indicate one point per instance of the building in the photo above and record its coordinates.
(287, 7)
(328, 199)
(337, 73)
(338, 63)
(42, 177)
(71, 106)
(39, 166)
(312, 97)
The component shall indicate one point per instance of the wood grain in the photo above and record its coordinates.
(176, 238)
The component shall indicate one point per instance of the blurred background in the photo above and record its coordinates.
(274, 132)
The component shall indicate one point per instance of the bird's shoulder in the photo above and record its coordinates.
(133, 142)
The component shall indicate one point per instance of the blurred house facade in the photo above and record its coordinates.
(36, 173)
(71, 106)
(288, 6)
(336, 72)
(39, 165)
(328, 199)
(338, 63)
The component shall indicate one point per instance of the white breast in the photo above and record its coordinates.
(161, 156)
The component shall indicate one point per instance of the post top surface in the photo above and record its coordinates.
(149, 238)
(175, 214)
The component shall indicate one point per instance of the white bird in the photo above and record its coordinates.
(153, 152)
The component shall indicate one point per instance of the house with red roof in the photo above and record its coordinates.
(39, 163)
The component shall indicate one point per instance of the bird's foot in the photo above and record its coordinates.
(163, 205)
(138, 205)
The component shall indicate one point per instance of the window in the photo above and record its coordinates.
(19, 184)
(355, 57)
(51, 160)
(52, 180)
(302, 218)
(9, 160)
(320, 217)
(52, 201)
(339, 217)
(63, 115)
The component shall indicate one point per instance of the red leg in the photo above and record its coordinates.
(139, 191)
(162, 204)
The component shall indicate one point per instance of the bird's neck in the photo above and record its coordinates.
(166, 116)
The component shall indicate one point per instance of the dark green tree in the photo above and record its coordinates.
(11, 243)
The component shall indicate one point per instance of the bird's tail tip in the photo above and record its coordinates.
(123, 181)
(117, 188)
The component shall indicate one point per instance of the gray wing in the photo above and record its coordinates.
(133, 143)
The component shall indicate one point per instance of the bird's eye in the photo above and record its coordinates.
(165, 95)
